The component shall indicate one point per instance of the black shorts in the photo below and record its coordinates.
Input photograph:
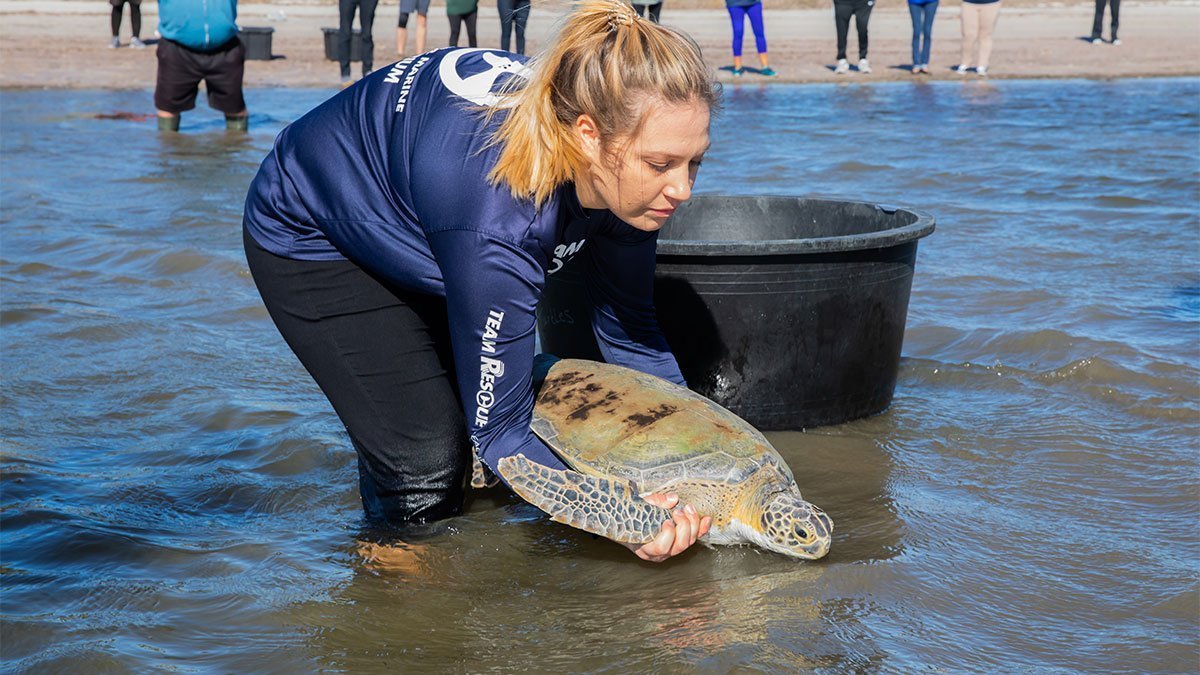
(180, 70)
(132, 3)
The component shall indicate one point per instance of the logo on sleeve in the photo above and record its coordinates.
(490, 369)
(563, 253)
(477, 88)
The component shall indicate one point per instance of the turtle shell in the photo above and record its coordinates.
(606, 420)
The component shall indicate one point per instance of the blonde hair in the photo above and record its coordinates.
(603, 62)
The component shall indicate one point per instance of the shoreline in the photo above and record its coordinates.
(44, 42)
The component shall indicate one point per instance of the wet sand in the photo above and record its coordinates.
(63, 43)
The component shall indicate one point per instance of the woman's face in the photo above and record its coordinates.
(642, 179)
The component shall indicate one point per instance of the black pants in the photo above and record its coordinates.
(135, 16)
(513, 13)
(861, 11)
(456, 21)
(382, 357)
(366, 17)
(1098, 22)
(655, 10)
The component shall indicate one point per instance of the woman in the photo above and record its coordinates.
(978, 21)
(460, 12)
(739, 10)
(404, 229)
(922, 12)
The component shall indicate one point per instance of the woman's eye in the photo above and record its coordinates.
(661, 168)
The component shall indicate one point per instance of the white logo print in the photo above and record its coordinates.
(562, 253)
(477, 88)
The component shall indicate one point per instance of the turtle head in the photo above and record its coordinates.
(794, 527)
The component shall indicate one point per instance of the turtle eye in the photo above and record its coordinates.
(800, 532)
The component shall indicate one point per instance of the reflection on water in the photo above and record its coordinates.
(176, 492)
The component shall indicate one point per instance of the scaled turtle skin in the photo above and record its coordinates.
(627, 433)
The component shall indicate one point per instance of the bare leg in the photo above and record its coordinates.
(422, 31)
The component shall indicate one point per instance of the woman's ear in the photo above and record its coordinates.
(589, 136)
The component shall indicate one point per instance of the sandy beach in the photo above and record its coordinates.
(63, 43)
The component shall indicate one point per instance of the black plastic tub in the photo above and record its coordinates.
(257, 41)
(788, 311)
(331, 44)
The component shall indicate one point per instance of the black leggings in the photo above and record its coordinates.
(655, 10)
(382, 357)
(1098, 20)
(135, 18)
(861, 11)
(456, 21)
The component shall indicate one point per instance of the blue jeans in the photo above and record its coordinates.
(922, 20)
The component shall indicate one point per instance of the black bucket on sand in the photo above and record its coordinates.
(788, 311)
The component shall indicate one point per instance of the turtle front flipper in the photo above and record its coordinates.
(606, 507)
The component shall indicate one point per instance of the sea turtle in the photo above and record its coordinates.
(627, 433)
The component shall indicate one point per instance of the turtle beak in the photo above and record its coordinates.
(818, 549)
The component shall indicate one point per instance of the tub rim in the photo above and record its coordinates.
(921, 227)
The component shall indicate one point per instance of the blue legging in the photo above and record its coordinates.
(922, 20)
(737, 15)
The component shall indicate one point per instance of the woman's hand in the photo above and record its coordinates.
(677, 534)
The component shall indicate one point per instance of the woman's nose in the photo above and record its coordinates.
(679, 188)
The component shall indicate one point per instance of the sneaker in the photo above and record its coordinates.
(925, 69)
(843, 67)
(1116, 42)
(864, 66)
(1096, 41)
(114, 43)
(767, 72)
(737, 72)
(137, 43)
(981, 71)
(961, 69)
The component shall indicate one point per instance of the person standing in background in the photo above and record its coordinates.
(978, 22)
(513, 13)
(1098, 21)
(738, 11)
(922, 12)
(366, 18)
(199, 42)
(460, 12)
(861, 11)
(135, 22)
(421, 8)
(655, 10)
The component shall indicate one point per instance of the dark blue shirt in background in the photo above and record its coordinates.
(392, 175)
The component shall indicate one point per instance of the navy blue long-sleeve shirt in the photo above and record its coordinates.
(391, 174)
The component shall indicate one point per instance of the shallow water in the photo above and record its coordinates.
(176, 492)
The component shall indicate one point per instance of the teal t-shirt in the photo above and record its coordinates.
(202, 25)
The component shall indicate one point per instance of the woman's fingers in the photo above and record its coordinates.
(677, 534)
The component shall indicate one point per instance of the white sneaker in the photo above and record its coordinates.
(114, 43)
(843, 67)
(1116, 42)
(1096, 41)
(981, 71)
(864, 66)
(137, 43)
(961, 69)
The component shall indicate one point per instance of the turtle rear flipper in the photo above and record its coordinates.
(609, 508)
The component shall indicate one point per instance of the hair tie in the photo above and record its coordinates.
(620, 15)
